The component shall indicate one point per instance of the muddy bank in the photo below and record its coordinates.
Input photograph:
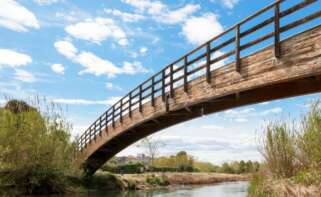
(163, 180)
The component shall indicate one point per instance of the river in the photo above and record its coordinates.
(228, 189)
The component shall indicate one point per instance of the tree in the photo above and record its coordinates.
(184, 162)
(35, 148)
(152, 147)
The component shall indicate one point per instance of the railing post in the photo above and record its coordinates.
(106, 121)
(130, 105)
(121, 111)
(140, 98)
(208, 62)
(153, 91)
(163, 85)
(167, 102)
(237, 49)
(185, 74)
(100, 125)
(90, 134)
(113, 116)
(171, 74)
(277, 49)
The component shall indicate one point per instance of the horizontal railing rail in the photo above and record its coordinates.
(163, 83)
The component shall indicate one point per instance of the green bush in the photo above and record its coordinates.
(307, 177)
(309, 139)
(157, 180)
(130, 168)
(279, 149)
(105, 182)
(35, 149)
(258, 186)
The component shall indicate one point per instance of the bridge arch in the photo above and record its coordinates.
(190, 87)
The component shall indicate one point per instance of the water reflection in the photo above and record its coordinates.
(231, 189)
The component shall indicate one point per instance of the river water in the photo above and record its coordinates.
(229, 189)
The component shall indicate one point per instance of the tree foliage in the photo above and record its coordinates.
(34, 146)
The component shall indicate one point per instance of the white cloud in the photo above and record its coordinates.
(243, 114)
(198, 30)
(227, 3)
(177, 16)
(66, 48)
(160, 12)
(45, 2)
(237, 113)
(265, 103)
(240, 115)
(143, 50)
(97, 30)
(276, 110)
(24, 76)
(96, 66)
(241, 120)
(230, 3)
(111, 86)
(133, 68)
(13, 59)
(154, 7)
(16, 17)
(212, 127)
(125, 16)
(109, 101)
(58, 68)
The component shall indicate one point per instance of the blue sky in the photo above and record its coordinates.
(87, 55)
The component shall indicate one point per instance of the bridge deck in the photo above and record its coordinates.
(255, 78)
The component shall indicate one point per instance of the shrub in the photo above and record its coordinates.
(157, 180)
(307, 177)
(279, 149)
(309, 139)
(258, 186)
(35, 148)
(130, 168)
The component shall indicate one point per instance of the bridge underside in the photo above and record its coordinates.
(262, 78)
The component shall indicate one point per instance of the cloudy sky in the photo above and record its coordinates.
(86, 55)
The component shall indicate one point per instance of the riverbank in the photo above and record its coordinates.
(147, 181)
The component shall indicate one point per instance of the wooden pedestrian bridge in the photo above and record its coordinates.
(273, 54)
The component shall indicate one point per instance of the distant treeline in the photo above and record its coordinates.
(181, 162)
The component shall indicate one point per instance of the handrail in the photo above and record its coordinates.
(163, 83)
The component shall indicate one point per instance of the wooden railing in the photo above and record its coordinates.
(165, 81)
